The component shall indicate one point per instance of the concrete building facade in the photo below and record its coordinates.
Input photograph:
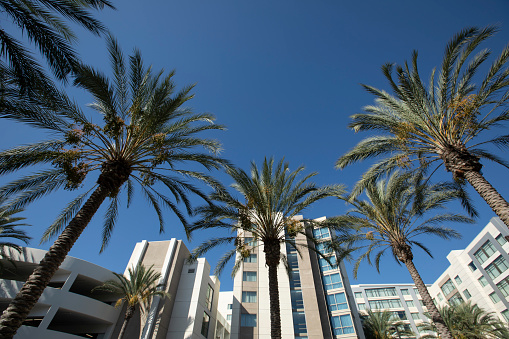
(479, 273)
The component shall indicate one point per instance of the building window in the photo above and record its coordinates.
(381, 292)
(404, 291)
(501, 239)
(399, 315)
(230, 306)
(416, 291)
(299, 323)
(483, 281)
(248, 296)
(456, 299)
(321, 233)
(205, 325)
(325, 265)
(250, 241)
(342, 324)
(494, 297)
(497, 267)
(440, 297)
(297, 299)
(336, 302)
(503, 286)
(505, 314)
(361, 307)
(251, 258)
(458, 280)
(448, 287)
(421, 302)
(415, 316)
(249, 276)
(295, 280)
(358, 295)
(383, 304)
(191, 270)
(472, 266)
(410, 303)
(467, 294)
(486, 251)
(323, 248)
(210, 295)
(332, 281)
(229, 317)
(248, 320)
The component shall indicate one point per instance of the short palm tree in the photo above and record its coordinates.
(146, 138)
(383, 325)
(42, 23)
(391, 220)
(9, 231)
(270, 197)
(467, 321)
(448, 122)
(135, 290)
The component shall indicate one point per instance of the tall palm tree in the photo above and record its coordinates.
(9, 231)
(391, 220)
(383, 325)
(136, 290)
(42, 23)
(441, 123)
(269, 199)
(467, 321)
(145, 138)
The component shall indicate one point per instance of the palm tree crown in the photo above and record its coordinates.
(441, 123)
(137, 289)
(270, 199)
(391, 220)
(9, 231)
(145, 140)
(383, 325)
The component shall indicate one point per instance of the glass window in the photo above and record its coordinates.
(325, 265)
(505, 314)
(297, 300)
(458, 280)
(381, 292)
(336, 302)
(383, 304)
(205, 325)
(249, 276)
(483, 281)
(494, 297)
(358, 295)
(229, 306)
(332, 281)
(421, 302)
(415, 316)
(503, 286)
(472, 266)
(210, 295)
(467, 294)
(361, 307)
(410, 303)
(248, 320)
(295, 280)
(399, 315)
(342, 324)
(416, 291)
(497, 267)
(323, 248)
(448, 287)
(299, 323)
(248, 296)
(251, 258)
(320, 233)
(229, 317)
(250, 241)
(456, 299)
(486, 251)
(501, 239)
(404, 291)
(440, 297)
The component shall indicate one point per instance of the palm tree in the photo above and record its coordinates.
(467, 321)
(136, 290)
(145, 138)
(42, 23)
(391, 220)
(9, 231)
(383, 325)
(443, 123)
(271, 197)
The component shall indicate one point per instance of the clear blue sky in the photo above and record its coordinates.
(284, 77)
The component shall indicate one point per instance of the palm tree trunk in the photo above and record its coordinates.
(272, 256)
(497, 203)
(443, 330)
(17, 311)
(128, 315)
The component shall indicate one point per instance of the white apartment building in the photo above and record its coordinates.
(401, 299)
(479, 273)
(316, 301)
